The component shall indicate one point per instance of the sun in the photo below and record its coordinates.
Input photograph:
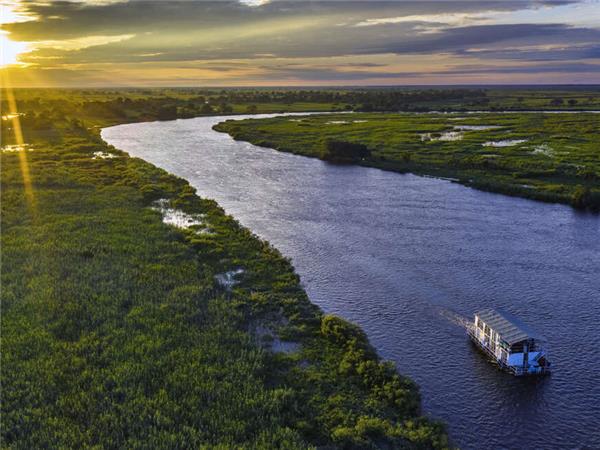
(10, 50)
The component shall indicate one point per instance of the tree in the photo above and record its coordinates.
(344, 152)
(207, 109)
(168, 112)
(225, 108)
(251, 109)
(581, 197)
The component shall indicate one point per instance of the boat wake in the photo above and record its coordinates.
(455, 318)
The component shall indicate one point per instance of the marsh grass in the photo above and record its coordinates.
(116, 332)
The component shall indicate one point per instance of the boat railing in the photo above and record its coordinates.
(484, 342)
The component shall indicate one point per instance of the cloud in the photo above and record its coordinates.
(539, 53)
(64, 19)
(141, 36)
(334, 73)
(458, 39)
(448, 19)
(82, 42)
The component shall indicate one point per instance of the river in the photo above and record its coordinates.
(410, 259)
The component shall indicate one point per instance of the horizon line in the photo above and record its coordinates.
(326, 86)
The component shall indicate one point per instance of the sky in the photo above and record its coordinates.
(101, 43)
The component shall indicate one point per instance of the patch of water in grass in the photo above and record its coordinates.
(504, 143)
(342, 122)
(545, 150)
(476, 127)
(443, 136)
(178, 218)
(16, 148)
(103, 155)
(269, 340)
(228, 279)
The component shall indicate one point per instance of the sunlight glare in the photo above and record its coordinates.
(10, 50)
(15, 117)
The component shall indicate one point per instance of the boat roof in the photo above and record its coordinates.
(511, 329)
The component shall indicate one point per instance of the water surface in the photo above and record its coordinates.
(410, 259)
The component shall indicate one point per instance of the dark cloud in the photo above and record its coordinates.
(348, 41)
(324, 73)
(459, 39)
(64, 19)
(566, 52)
(527, 69)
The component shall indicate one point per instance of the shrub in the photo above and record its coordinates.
(344, 151)
(339, 331)
(581, 197)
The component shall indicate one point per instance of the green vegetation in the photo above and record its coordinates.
(112, 106)
(117, 333)
(117, 329)
(549, 157)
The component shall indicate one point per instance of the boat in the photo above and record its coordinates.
(509, 343)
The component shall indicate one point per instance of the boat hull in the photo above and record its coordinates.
(518, 371)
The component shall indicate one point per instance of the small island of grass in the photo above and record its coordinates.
(551, 157)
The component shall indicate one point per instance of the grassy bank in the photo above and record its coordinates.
(549, 157)
(122, 331)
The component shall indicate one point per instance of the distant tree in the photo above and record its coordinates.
(186, 113)
(366, 107)
(225, 108)
(581, 197)
(572, 102)
(344, 152)
(587, 173)
(207, 109)
(251, 109)
(556, 101)
(77, 125)
(168, 112)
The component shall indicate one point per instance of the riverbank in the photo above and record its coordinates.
(550, 157)
(136, 313)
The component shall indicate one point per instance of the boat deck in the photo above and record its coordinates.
(514, 370)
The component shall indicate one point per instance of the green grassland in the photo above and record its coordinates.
(558, 159)
(116, 332)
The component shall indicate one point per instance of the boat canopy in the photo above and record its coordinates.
(511, 329)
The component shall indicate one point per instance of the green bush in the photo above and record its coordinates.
(584, 198)
(344, 151)
(340, 331)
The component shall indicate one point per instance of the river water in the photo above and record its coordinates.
(410, 259)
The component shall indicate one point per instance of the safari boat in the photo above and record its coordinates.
(510, 344)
